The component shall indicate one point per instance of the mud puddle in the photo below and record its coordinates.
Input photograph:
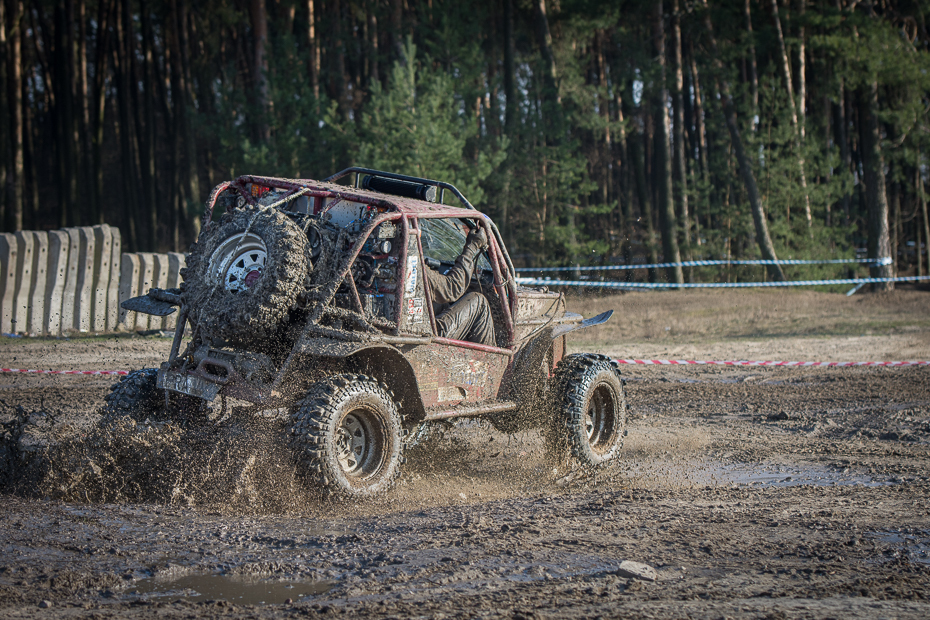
(915, 544)
(238, 590)
(720, 473)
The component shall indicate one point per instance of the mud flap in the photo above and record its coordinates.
(561, 330)
(158, 302)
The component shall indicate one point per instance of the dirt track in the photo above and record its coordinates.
(753, 492)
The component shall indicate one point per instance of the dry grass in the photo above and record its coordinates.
(670, 320)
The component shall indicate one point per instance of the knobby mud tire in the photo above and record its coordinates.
(589, 411)
(135, 397)
(251, 317)
(326, 415)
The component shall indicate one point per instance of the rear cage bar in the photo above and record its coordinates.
(442, 185)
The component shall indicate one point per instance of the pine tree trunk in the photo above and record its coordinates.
(667, 219)
(638, 155)
(147, 131)
(605, 149)
(843, 141)
(749, 180)
(753, 71)
(62, 71)
(105, 12)
(802, 72)
(873, 165)
(6, 162)
(552, 100)
(260, 65)
(122, 55)
(681, 162)
(623, 165)
(313, 44)
(87, 198)
(397, 27)
(189, 216)
(374, 71)
(30, 179)
(510, 88)
(923, 211)
(15, 99)
(796, 125)
(699, 119)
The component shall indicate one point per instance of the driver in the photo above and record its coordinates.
(461, 317)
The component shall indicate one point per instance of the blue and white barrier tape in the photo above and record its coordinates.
(711, 263)
(659, 285)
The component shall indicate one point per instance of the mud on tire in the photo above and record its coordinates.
(135, 397)
(227, 300)
(589, 411)
(347, 436)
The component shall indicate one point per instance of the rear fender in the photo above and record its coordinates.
(530, 366)
(382, 362)
(389, 366)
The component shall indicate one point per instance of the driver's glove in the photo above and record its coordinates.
(476, 241)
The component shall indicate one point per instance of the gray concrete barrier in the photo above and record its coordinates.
(38, 284)
(58, 244)
(73, 280)
(9, 256)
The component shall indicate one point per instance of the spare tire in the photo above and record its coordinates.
(244, 276)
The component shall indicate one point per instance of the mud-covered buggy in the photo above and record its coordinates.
(311, 296)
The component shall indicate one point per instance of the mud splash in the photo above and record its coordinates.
(243, 464)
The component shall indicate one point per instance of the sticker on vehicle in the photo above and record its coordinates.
(415, 310)
(410, 286)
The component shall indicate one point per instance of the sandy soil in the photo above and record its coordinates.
(752, 492)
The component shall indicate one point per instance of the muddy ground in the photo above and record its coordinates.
(752, 492)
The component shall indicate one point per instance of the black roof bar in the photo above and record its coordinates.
(442, 185)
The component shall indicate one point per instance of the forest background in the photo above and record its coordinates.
(592, 131)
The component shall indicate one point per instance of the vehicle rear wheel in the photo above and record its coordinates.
(347, 436)
(589, 420)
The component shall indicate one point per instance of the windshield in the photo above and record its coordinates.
(444, 239)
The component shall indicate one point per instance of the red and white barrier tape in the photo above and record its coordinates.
(619, 361)
(763, 363)
(66, 372)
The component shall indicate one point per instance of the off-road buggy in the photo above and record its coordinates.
(309, 297)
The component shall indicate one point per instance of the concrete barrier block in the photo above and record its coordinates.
(102, 252)
(146, 281)
(57, 272)
(38, 285)
(85, 283)
(128, 288)
(23, 282)
(9, 255)
(160, 277)
(115, 272)
(176, 262)
(68, 299)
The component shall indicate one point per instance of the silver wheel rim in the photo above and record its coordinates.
(353, 443)
(600, 419)
(239, 262)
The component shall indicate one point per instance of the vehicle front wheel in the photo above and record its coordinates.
(136, 397)
(348, 437)
(589, 418)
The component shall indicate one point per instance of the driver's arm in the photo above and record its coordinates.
(446, 289)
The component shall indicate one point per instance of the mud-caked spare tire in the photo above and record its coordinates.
(244, 276)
